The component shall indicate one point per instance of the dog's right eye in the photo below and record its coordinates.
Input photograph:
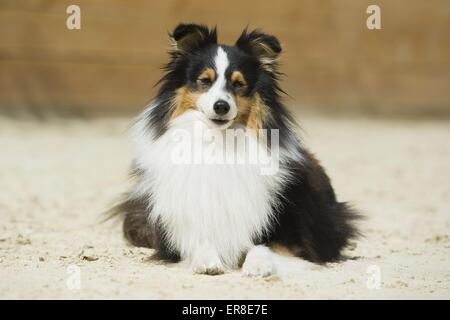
(205, 81)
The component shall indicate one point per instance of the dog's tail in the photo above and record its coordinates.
(137, 229)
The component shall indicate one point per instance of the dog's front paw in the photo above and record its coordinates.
(259, 263)
(212, 268)
(208, 262)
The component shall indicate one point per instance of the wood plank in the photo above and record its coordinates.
(331, 60)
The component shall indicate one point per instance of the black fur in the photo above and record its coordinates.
(259, 44)
(311, 223)
(138, 230)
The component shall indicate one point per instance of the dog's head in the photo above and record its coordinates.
(226, 84)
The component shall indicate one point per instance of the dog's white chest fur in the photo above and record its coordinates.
(204, 206)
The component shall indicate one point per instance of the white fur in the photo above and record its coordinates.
(206, 260)
(211, 212)
(259, 262)
(218, 90)
(263, 262)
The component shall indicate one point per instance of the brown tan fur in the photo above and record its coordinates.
(184, 100)
(208, 73)
(237, 76)
(282, 250)
(251, 112)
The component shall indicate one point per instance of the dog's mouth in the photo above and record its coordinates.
(220, 122)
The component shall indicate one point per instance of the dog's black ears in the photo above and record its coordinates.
(189, 37)
(265, 47)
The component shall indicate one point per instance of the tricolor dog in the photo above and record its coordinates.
(228, 214)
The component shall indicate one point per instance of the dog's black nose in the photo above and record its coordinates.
(221, 107)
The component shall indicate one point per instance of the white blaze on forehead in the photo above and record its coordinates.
(221, 62)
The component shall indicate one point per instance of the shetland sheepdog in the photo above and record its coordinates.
(228, 212)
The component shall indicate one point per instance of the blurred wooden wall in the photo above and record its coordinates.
(331, 60)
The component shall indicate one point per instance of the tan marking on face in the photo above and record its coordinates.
(207, 74)
(237, 76)
(251, 111)
(184, 100)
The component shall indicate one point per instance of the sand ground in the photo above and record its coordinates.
(56, 178)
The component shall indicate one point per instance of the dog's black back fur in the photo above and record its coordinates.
(312, 224)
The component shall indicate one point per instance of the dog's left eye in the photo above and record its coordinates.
(238, 84)
(205, 81)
